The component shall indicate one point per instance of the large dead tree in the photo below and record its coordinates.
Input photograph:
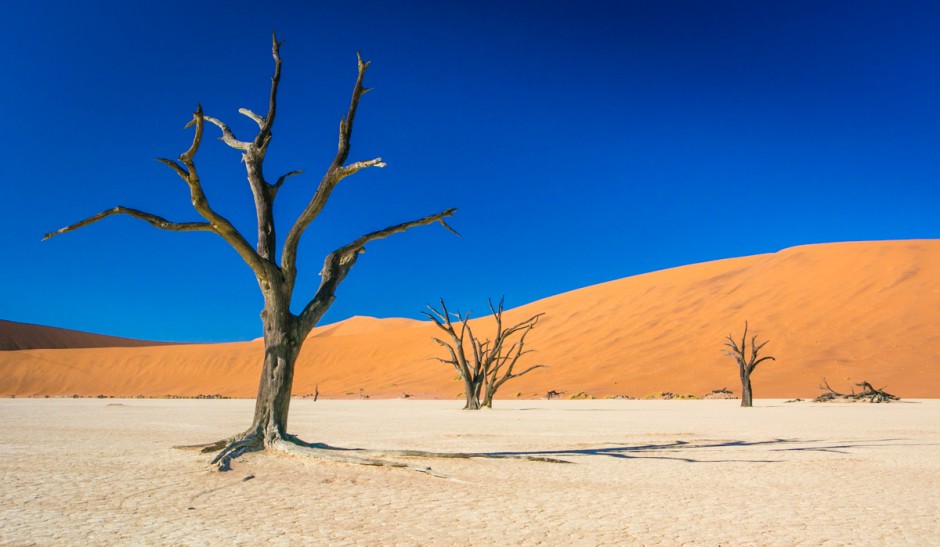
(746, 363)
(487, 364)
(284, 331)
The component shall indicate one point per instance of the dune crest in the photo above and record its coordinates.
(845, 311)
(362, 324)
(21, 336)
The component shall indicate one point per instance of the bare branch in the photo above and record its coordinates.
(257, 119)
(358, 245)
(338, 263)
(352, 168)
(187, 156)
(346, 125)
(176, 167)
(526, 371)
(227, 136)
(761, 360)
(264, 133)
(282, 178)
(220, 224)
(154, 220)
(439, 318)
(334, 174)
(449, 229)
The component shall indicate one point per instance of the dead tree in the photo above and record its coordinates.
(868, 394)
(746, 364)
(486, 365)
(284, 331)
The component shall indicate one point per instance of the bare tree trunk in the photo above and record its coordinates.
(473, 402)
(281, 348)
(747, 398)
(490, 393)
(471, 388)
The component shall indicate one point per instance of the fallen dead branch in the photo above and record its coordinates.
(868, 394)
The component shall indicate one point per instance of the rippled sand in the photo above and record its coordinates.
(643, 472)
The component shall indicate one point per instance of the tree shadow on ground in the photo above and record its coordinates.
(680, 450)
(683, 451)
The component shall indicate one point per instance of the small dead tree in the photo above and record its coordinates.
(868, 394)
(487, 364)
(746, 364)
(284, 331)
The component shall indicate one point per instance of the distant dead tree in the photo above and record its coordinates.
(284, 331)
(746, 363)
(487, 364)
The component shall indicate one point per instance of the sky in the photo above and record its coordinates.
(581, 142)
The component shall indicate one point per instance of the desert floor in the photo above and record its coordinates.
(643, 472)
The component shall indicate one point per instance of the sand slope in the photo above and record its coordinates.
(19, 336)
(846, 311)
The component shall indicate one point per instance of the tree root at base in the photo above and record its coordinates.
(234, 447)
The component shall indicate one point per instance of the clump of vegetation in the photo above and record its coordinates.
(723, 393)
(668, 395)
(582, 395)
(624, 397)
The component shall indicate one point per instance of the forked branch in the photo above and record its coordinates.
(739, 354)
(227, 136)
(334, 174)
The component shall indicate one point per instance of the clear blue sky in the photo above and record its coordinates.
(581, 142)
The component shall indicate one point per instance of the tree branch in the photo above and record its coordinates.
(761, 360)
(282, 178)
(355, 167)
(335, 173)
(220, 224)
(338, 263)
(257, 119)
(176, 167)
(227, 136)
(154, 220)
(265, 132)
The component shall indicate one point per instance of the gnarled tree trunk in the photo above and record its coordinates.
(472, 393)
(747, 397)
(281, 348)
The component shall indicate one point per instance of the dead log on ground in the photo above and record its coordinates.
(868, 394)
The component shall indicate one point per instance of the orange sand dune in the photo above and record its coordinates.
(847, 312)
(18, 336)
